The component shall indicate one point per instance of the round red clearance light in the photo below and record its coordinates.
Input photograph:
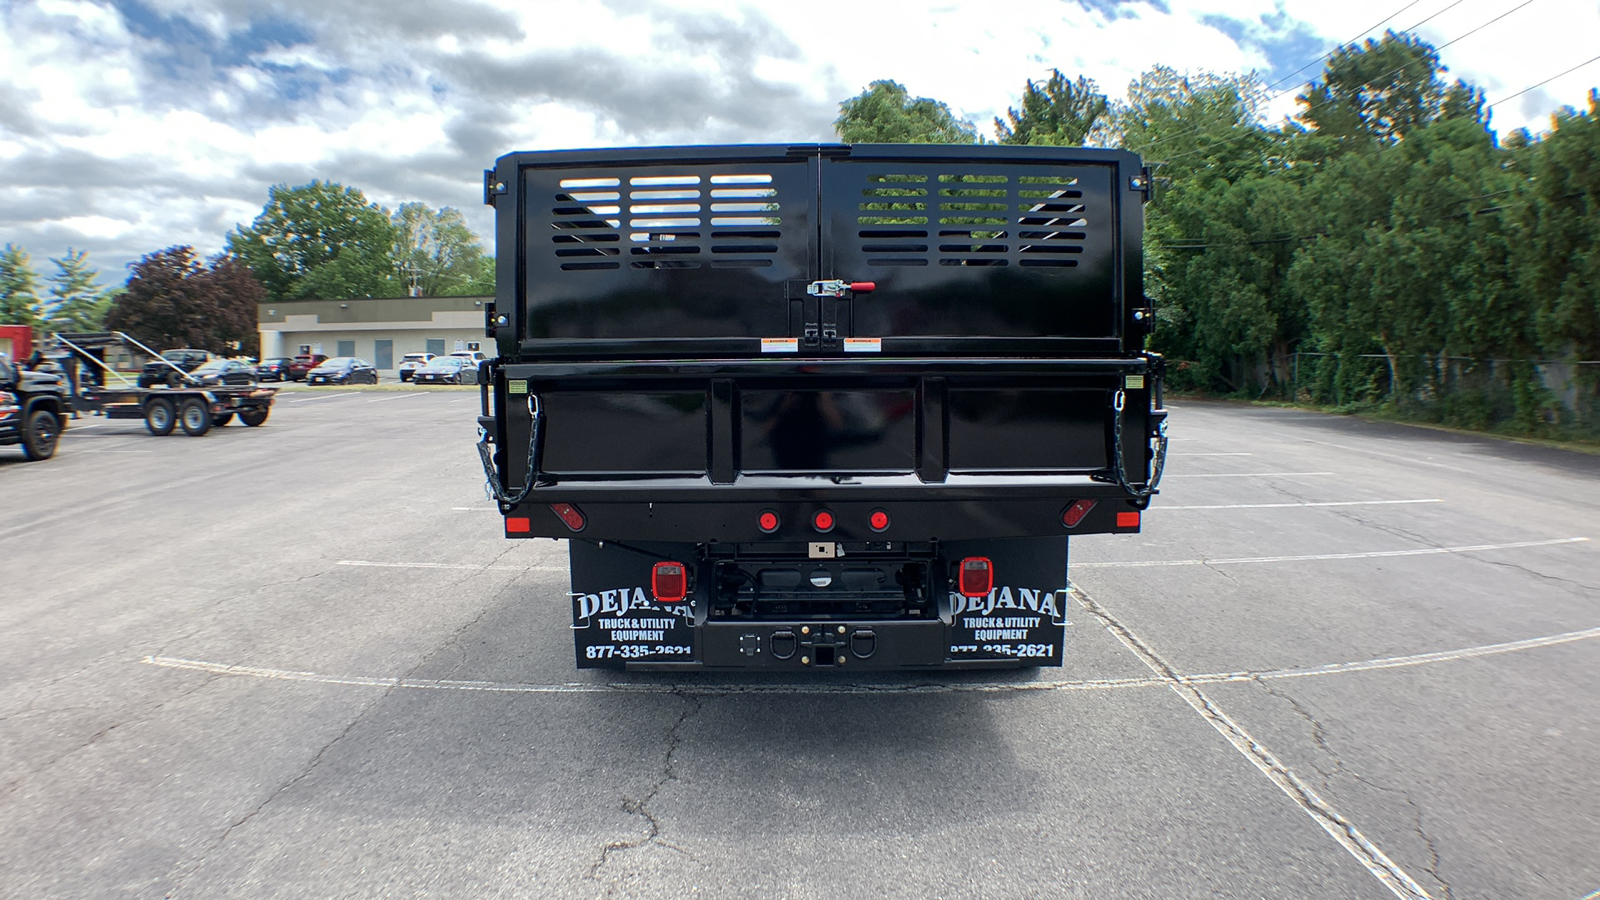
(879, 520)
(767, 521)
(822, 521)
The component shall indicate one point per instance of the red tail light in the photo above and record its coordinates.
(976, 578)
(1075, 513)
(518, 525)
(1128, 519)
(879, 520)
(669, 581)
(767, 521)
(570, 515)
(822, 521)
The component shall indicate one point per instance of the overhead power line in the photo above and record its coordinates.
(1358, 37)
(1380, 78)
(1544, 82)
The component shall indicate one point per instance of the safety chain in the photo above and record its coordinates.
(492, 487)
(1158, 462)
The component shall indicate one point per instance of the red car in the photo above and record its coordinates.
(304, 363)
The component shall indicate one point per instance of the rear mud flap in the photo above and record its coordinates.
(1024, 617)
(615, 619)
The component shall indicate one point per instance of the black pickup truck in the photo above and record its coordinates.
(34, 406)
(820, 406)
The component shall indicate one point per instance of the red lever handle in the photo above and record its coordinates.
(863, 287)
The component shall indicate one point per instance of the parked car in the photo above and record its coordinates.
(161, 371)
(274, 369)
(224, 371)
(411, 362)
(343, 370)
(447, 370)
(303, 364)
(475, 355)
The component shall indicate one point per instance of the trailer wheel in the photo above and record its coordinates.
(195, 417)
(159, 418)
(254, 415)
(222, 420)
(40, 432)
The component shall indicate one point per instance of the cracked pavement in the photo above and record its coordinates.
(1471, 775)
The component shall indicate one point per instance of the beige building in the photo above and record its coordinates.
(379, 329)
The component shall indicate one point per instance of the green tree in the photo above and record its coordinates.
(1220, 230)
(482, 283)
(1557, 257)
(19, 288)
(319, 240)
(1058, 113)
(438, 255)
(1376, 92)
(77, 300)
(886, 113)
(173, 300)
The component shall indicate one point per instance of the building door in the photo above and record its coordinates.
(383, 351)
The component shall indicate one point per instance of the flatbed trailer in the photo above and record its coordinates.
(195, 409)
(820, 406)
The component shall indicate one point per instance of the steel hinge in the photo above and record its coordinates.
(492, 187)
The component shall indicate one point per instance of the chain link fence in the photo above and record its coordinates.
(1556, 398)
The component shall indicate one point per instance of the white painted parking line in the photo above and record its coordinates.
(321, 397)
(1369, 554)
(1164, 507)
(1322, 812)
(1245, 474)
(1186, 454)
(397, 397)
(72, 425)
(921, 687)
(1420, 659)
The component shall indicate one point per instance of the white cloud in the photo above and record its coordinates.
(127, 127)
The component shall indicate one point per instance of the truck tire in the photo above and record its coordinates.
(159, 417)
(254, 415)
(195, 417)
(40, 432)
(222, 420)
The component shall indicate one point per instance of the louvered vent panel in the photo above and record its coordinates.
(916, 219)
(725, 220)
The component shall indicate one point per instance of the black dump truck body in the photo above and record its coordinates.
(821, 405)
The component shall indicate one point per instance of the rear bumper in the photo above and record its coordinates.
(962, 508)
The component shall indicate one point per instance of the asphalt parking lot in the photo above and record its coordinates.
(1344, 659)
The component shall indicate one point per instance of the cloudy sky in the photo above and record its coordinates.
(127, 126)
